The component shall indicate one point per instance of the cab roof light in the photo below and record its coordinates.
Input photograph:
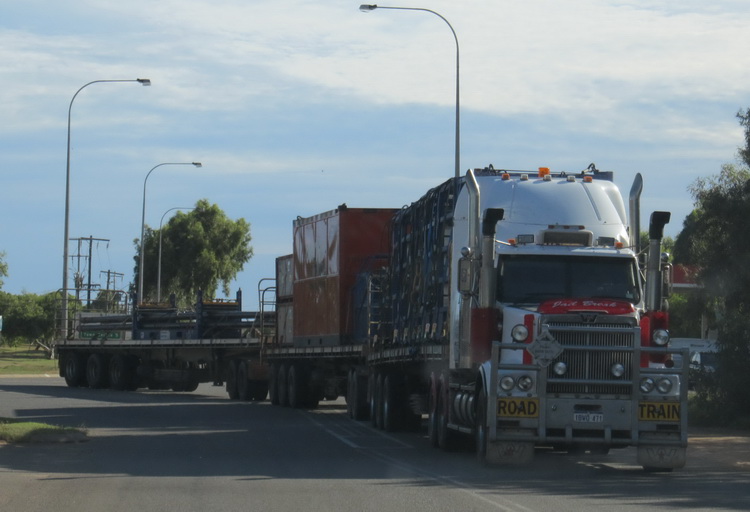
(588, 179)
(546, 177)
(524, 177)
(505, 176)
(571, 179)
(543, 171)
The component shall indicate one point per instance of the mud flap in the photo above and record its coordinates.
(509, 452)
(655, 457)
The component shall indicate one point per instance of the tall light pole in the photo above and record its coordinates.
(158, 274)
(64, 312)
(372, 7)
(143, 222)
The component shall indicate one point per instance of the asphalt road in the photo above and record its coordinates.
(188, 452)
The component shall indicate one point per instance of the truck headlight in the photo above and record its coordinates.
(660, 337)
(525, 383)
(519, 333)
(507, 383)
(618, 370)
(647, 384)
(664, 386)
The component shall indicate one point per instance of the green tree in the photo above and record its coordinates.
(714, 239)
(201, 249)
(28, 316)
(3, 268)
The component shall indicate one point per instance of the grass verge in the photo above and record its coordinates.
(19, 431)
(26, 360)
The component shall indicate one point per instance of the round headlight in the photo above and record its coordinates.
(660, 338)
(525, 383)
(519, 333)
(664, 386)
(560, 368)
(647, 384)
(507, 383)
(618, 370)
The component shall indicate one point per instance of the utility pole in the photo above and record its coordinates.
(79, 279)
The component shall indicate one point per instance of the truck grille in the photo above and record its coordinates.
(590, 350)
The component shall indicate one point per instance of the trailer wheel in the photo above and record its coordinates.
(244, 390)
(281, 386)
(231, 384)
(273, 388)
(391, 406)
(432, 421)
(372, 392)
(357, 393)
(349, 390)
(75, 370)
(259, 390)
(378, 398)
(121, 373)
(96, 371)
(297, 386)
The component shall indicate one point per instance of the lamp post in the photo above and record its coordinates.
(64, 319)
(143, 222)
(158, 275)
(372, 7)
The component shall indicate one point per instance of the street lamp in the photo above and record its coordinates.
(158, 275)
(372, 7)
(143, 222)
(64, 319)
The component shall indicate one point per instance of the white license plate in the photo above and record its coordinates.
(588, 417)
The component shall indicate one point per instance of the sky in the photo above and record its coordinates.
(295, 107)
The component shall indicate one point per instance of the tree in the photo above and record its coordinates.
(714, 239)
(201, 249)
(3, 268)
(28, 316)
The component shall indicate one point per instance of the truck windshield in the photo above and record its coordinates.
(533, 279)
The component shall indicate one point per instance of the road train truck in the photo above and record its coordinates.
(514, 307)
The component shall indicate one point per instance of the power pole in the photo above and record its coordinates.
(79, 280)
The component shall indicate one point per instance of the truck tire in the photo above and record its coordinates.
(244, 391)
(121, 373)
(357, 392)
(391, 404)
(445, 436)
(273, 388)
(432, 420)
(372, 391)
(349, 389)
(281, 386)
(481, 429)
(298, 387)
(96, 371)
(75, 370)
(259, 390)
(231, 383)
(379, 385)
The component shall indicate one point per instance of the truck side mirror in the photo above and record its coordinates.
(466, 271)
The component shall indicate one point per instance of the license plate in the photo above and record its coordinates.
(659, 411)
(518, 407)
(588, 417)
